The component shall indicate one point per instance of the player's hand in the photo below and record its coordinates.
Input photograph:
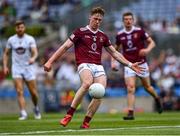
(31, 61)
(137, 68)
(114, 66)
(6, 71)
(47, 67)
(143, 52)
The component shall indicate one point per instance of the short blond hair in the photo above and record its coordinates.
(98, 10)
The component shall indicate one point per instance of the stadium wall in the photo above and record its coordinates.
(112, 105)
(109, 105)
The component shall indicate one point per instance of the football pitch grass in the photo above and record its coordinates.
(167, 123)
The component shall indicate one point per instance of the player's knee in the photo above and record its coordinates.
(19, 93)
(131, 89)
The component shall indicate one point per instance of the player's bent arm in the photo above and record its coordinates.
(118, 56)
(117, 47)
(6, 57)
(150, 44)
(5, 60)
(62, 49)
(34, 53)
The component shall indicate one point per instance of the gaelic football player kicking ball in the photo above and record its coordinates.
(88, 42)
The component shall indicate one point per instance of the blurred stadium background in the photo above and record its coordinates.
(52, 21)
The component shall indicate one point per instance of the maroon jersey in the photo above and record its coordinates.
(88, 45)
(132, 42)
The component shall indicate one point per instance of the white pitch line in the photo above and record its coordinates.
(81, 130)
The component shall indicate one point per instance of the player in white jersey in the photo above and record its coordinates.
(24, 54)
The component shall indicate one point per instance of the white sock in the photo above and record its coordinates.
(23, 112)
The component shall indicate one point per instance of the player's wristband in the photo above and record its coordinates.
(129, 64)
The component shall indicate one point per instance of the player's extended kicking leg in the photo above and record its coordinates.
(18, 82)
(87, 80)
(94, 104)
(147, 85)
(34, 96)
(130, 84)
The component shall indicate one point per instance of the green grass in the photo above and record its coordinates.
(167, 123)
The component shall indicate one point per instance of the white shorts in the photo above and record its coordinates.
(26, 72)
(96, 70)
(130, 73)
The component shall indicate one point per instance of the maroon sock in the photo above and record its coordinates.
(131, 113)
(87, 119)
(71, 111)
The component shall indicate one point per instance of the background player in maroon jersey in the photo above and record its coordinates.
(132, 41)
(88, 42)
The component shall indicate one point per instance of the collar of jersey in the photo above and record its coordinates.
(128, 32)
(94, 32)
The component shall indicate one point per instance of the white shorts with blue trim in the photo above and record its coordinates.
(96, 70)
(128, 72)
(26, 72)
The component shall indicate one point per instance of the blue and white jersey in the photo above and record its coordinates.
(21, 49)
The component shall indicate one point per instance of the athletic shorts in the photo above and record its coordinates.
(96, 70)
(128, 72)
(26, 72)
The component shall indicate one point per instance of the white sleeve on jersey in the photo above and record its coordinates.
(32, 42)
(8, 44)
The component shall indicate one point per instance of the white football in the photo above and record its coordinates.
(96, 90)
